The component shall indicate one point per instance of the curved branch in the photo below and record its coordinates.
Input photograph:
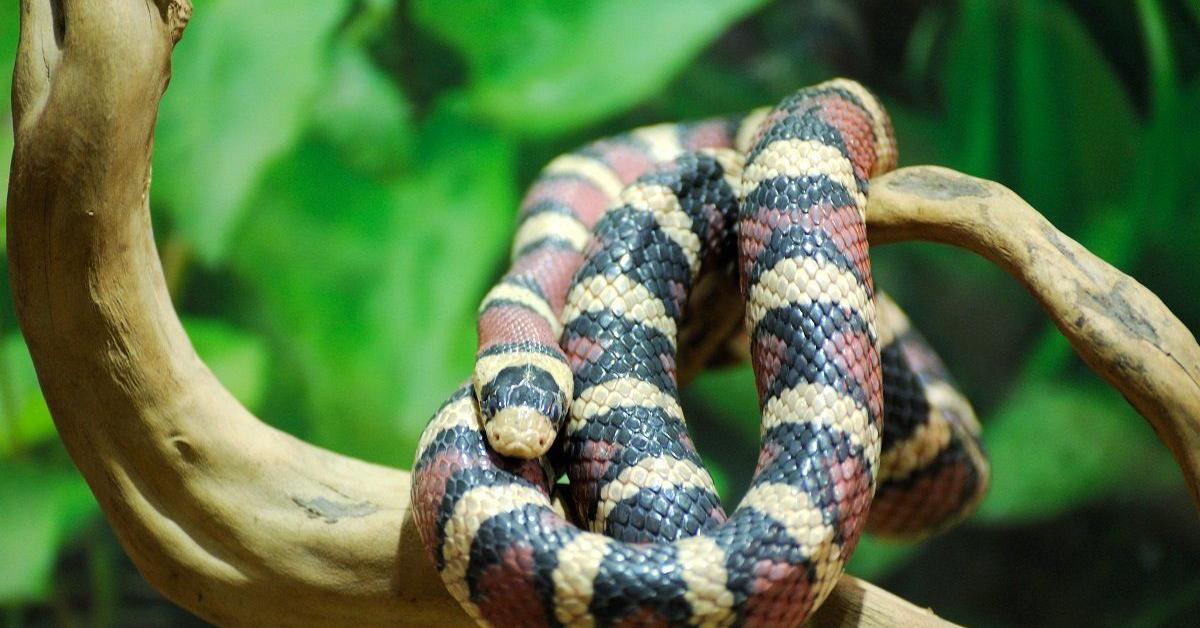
(246, 525)
(1120, 329)
(228, 517)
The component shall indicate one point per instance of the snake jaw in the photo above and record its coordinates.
(523, 407)
(520, 432)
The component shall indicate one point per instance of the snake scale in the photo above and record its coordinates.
(577, 360)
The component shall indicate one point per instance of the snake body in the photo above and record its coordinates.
(611, 238)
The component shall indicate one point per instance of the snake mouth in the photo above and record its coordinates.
(522, 405)
(520, 432)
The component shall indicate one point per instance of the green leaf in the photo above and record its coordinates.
(244, 77)
(730, 393)
(363, 115)
(1156, 34)
(720, 477)
(8, 53)
(1053, 448)
(1030, 98)
(10, 29)
(1162, 178)
(237, 358)
(376, 300)
(875, 558)
(922, 138)
(545, 67)
(972, 87)
(1068, 103)
(314, 257)
(1153, 214)
(44, 507)
(6, 149)
(921, 50)
(24, 418)
(457, 214)
(704, 87)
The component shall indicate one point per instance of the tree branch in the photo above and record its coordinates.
(1120, 329)
(230, 518)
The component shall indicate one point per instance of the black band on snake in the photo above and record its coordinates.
(836, 385)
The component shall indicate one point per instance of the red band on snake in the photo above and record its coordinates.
(670, 555)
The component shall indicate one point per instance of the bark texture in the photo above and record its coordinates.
(1121, 330)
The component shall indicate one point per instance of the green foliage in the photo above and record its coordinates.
(44, 507)
(247, 99)
(363, 115)
(536, 66)
(1041, 477)
(342, 198)
(9, 30)
(26, 418)
(6, 147)
(9, 26)
(238, 359)
(351, 286)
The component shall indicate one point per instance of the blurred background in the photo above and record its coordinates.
(335, 186)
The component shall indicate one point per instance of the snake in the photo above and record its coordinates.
(861, 429)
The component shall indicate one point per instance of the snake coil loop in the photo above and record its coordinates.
(577, 352)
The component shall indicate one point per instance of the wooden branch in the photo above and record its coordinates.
(229, 518)
(1120, 329)
(857, 602)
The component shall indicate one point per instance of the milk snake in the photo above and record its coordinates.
(577, 351)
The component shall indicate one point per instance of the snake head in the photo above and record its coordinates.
(523, 406)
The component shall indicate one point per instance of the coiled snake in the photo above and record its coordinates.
(577, 351)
